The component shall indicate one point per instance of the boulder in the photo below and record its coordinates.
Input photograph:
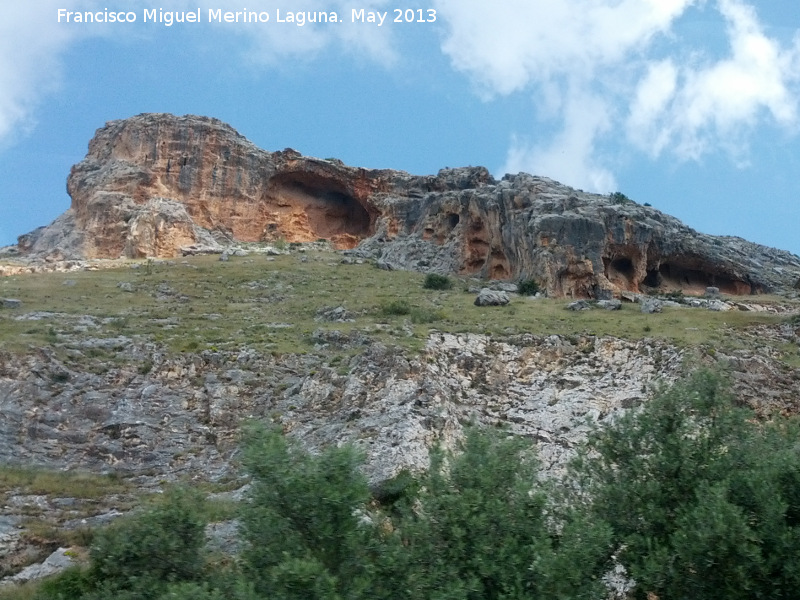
(652, 305)
(488, 297)
(334, 314)
(11, 303)
(613, 304)
(579, 305)
(58, 561)
(719, 306)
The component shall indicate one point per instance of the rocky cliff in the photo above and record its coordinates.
(155, 184)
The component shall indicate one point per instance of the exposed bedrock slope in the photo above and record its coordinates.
(155, 183)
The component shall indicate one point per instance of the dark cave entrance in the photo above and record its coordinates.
(620, 271)
(329, 210)
(690, 278)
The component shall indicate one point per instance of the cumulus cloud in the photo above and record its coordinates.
(570, 155)
(697, 107)
(508, 45)
(632, 76)
(30, 44)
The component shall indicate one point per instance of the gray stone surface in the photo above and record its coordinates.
(55, 563)
(579, 305)
(613, 304)
(334, 314)
(651, 305)
(719, 306)
(488, 297)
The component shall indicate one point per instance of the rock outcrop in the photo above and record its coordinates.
(155, 183)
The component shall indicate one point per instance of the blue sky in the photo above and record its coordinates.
(692, 106)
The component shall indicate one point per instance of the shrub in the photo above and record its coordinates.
(140, 555)
(676, 295)
(479, 528)
(69, 584)
(302, 522)
(396, 308)
(528, 287)
(433, 281)
(704, 501)
(620, 198)
(423, 316)
(160, 545)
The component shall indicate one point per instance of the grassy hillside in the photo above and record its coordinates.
(272, 304)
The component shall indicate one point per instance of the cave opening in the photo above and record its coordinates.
(693, 280)
(653, 278)
(623, 266)
(620, 271)
(452, 220)
(307, 206)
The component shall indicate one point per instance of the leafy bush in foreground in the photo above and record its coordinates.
(304, 531)
(703, 500)
(139, 556)
(473, 527)
(481, 527)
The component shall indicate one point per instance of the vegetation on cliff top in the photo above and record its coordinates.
(272, 304)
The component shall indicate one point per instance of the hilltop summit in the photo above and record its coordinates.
(156, 185)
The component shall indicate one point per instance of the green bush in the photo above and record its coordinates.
(479, 528)
(75, 582)
(305, 538)
(434, 281)
(703, 500)
(396, 308)
(528, 287)
(475, 526)
(425, 315)
(137, 557)
(163, 544)
(620, 198)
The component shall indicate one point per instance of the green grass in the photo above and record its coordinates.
(26, 591)
(32, 481)
(270, 303)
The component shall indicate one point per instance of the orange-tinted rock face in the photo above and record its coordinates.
(155, 183)
(223, 181)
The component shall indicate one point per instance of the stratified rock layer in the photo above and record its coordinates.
(155, 183)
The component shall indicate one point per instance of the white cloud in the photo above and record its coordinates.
(664, 97)
(570, 156)
(508, 45)
(30, 43)
(717, 104)
(656, 90)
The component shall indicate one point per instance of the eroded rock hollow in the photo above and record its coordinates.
(155, 184)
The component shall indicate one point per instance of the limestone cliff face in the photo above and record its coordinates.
(155, 183)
